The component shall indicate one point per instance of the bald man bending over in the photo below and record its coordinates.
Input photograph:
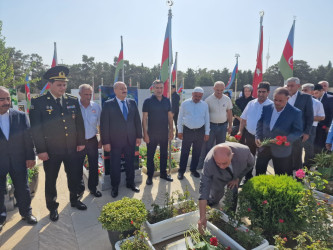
(225, 165)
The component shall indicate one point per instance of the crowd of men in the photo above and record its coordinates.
(64, 130)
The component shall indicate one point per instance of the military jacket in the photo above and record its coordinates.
(55, 129)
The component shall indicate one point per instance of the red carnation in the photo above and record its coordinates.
(287, 143)
(264, 202)
(249, 209)
(279, 138)
(132, 222)
(213, 241)
(228, 248)
(324, 127)
(281, 220)
(285, 239)
(284, 138)
(238, 137)
(279, 143)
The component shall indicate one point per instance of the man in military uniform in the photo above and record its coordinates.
(58, 134)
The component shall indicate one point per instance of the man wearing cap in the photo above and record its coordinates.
(193, 129)
(58, 134)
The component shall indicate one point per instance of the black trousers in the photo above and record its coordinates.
(296, 154)
(248, 139)
(320, 140)
(194, 138)
(51, 169)
(115, 168)
(91, 150)
(21, 192)
(281, 165)
(154, 140)
(175, 119)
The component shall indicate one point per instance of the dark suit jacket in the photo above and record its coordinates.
(56, 130)
(304, 103)
(327, 102)
(175, 103)
(19, 146)
(288, 124)
(117, 131)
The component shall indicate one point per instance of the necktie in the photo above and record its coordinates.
(58, 102)
(124, 110)
(230, 172)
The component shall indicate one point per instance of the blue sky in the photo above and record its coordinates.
(206, 34)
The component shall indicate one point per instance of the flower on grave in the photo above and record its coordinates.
(300, 174)
(238, 137)
(285, 239)
(132, 222)
(249, 209)
(213, 241)
(264, 202)
(281, 220)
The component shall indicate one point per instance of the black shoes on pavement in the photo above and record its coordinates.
(195, 174)
(133, 187)
(79, 205)
(54, 216)
(96, 193)
(114, 192)
(30, 219)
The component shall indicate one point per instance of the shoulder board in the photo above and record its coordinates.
(71, 96)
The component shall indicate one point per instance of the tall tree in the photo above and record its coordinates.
(6, 67)
(189, 79)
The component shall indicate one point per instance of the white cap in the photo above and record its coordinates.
(198, 90)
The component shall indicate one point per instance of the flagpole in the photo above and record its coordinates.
(176, 70)
(123, 71)
(237, 55)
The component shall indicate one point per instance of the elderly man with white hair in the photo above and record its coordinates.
(193, 129)
(325, 85)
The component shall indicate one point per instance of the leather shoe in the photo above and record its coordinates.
(54, 216)
(2, 222)
(180, 176)
(166, 177)
(133, 187)
(30, 219)
(79, 205)
(114, 192)
(195, 174)
(149, 181)
(96, 193)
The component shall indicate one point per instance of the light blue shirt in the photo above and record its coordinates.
(329, 139)
(193, 115)
(275, 116)
(252, 114)
(4, 124)
(91, 118)
(121, 105)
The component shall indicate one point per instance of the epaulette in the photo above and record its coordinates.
(71, 96)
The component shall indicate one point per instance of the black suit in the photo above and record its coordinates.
(304, 103)
(321, 132)
(121, 134)
(58, 130)
(13, 154)
(175, 108)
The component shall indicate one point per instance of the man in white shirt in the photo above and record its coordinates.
(220, 115)
(193, 129)
(91, 113)
(250, 118)
(319, 115)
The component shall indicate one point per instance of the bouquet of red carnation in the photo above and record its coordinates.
(278, 140)
(238, 137)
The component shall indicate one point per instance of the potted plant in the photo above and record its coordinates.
(122, 217)
(139, 241)
(173, 218)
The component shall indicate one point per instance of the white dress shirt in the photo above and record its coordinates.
(318, 110)
(91, 118)
(4, 124)
(275, 116)
(252, 114)
(292, 99)
(193, 115)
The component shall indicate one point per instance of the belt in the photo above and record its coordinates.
(92, 138)
(218, 124)
(194, 129)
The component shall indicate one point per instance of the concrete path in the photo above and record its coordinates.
(79, 229)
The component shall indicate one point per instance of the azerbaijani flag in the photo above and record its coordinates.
(232, 77)
(257, 78)
(286, 64)
(120, 62)
(180, 89)
(151, 88)
(166, 57)
(54, 63)
(174, 72)
(27, 92)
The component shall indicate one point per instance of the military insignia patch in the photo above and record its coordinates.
(73, 116)
(49, 109)
(71, 107)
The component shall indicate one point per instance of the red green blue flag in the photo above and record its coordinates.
(27, 92)
(54, 63)
(120, 62)
(232, 77)
(180, 89)
(166, 57)
(286, 64)
(174, 72)
(257, 77)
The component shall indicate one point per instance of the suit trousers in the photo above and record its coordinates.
(281, 165)
(309, 148)
(249, 140)
(194, 138)
(154, 140)
(175, 119)
(320, 140)
(91, 151)
(115, 170)
(296, 154)
(21, 192)
(51, 169)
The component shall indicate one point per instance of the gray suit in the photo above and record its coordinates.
(214, 179)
